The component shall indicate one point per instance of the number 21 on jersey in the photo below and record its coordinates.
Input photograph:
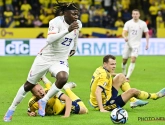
(134, 32)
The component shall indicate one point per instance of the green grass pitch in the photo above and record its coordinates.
(149, 75)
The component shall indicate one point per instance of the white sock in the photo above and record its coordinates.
(130, 69)
(53, 90)
(124, 68)
(18, 98)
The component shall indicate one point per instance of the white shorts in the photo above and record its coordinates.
(41, 66)
(130, 51)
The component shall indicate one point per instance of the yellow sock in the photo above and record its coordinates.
(143, 95)
(74, 97)
(153, 96)
(126, 86)
(146, 95)
(133, 99)
(71, 95)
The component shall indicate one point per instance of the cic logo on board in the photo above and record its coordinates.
(17, 47)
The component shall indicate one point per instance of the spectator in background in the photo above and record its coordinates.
(126, 15)
(29, 18)
(159, 20)
(97, 20)
(91, 15)
(22, 21)
(50, 11)
(16, 9)
(41, 35)
(8, 3)
(2, 23)
(107, 21)
(108, 4)
(153, 13)
(81, 35)
(35, 7)
(113, 34)
(8, 22)
(119, 23)
(8, 15)
(37, 22)
(125, 4)
(163, 14)
(162, 4)
(17, 19)
(25, 8)
(145, 5)
(1, 6)
(44, 19)
(100, 10)
(108, 35)
(15, 3)
(45, 3)
(84, 17)
(119, 12)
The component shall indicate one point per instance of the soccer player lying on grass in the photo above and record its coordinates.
(104, 89)
(56, 105)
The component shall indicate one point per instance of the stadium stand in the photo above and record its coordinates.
(109, 14)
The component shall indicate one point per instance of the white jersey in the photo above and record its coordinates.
(59, 49)
(135, 31)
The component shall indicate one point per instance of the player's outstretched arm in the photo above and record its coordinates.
(32, 110)
(147, 40)
(68, 103)
(99, 99)
(124, 34)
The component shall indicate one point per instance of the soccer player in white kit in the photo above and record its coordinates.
(132, 34)
(61, 42)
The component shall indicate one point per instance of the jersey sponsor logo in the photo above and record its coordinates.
(31, 74)
(17, 47)
(112, 101)
(104, 84)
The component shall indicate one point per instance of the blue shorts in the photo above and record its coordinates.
(114, 102)
(75, 107)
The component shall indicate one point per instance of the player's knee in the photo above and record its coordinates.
(62, 80)
(83, 110)
(133, 59)
(133, 91)
(121, 77)
(62, 77)
(28, 86)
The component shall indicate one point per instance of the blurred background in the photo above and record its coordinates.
(100, 18)
(24, 25)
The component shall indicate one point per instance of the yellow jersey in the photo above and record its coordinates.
(103, 79)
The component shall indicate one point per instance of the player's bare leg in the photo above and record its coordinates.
(61, 79)
(18, 98)
(118, 80)
(124, 66)
(131, 67)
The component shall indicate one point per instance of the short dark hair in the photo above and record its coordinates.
(61, 7)
(136, 10)
(107, 57)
